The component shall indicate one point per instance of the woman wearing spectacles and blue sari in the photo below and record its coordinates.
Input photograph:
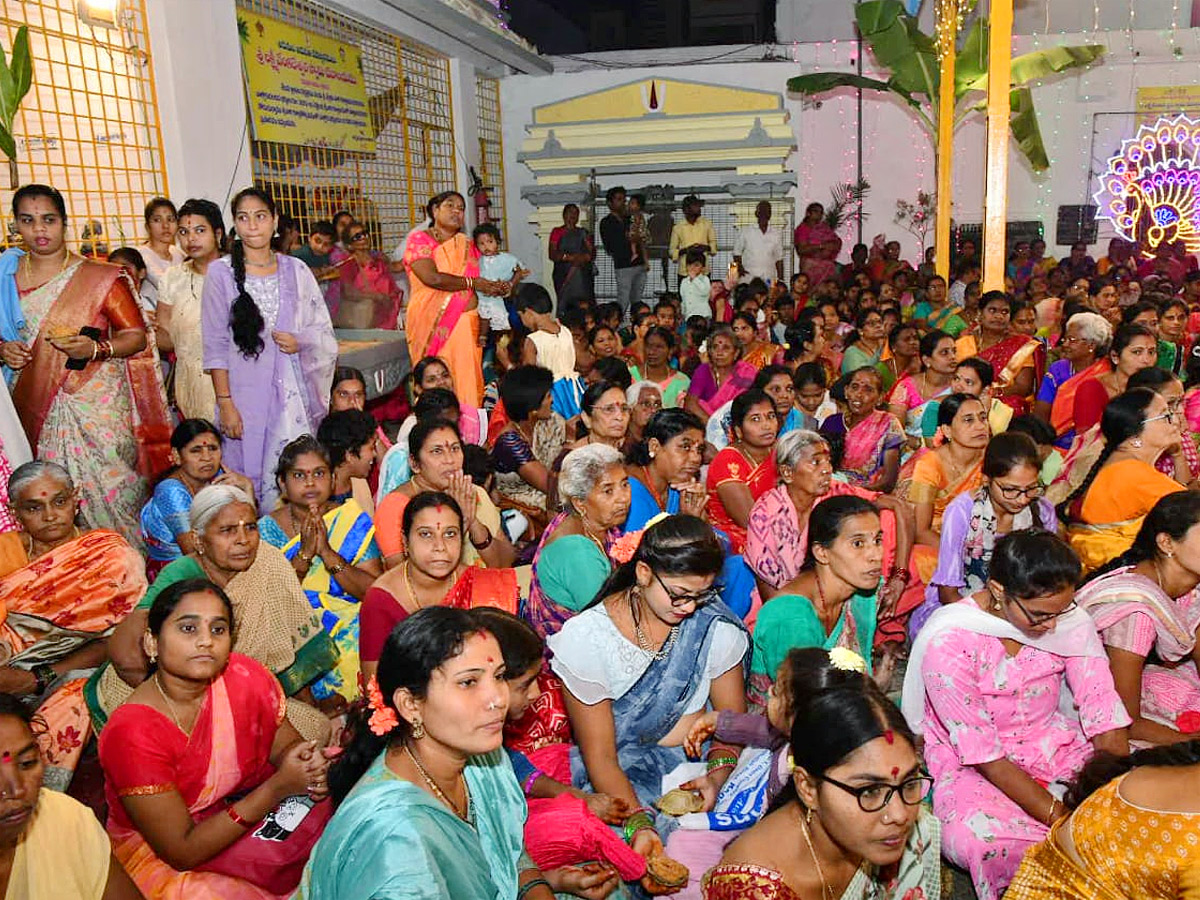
(1012, 691)
(641, 665)
(1010, 499)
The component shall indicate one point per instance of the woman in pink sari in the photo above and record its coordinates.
(722, 378)
(209, 798)
(443, 272)
(364, 285)
(817, 245)
(871, 439)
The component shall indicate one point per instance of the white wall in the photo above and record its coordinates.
(201, 103)
(898, 159)
(822, 20)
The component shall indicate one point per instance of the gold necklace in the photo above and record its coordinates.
(170, 705)
(29, 267)
(28, 540)
(595, 540)
(826, 890)
(412, 594)
(438, 792)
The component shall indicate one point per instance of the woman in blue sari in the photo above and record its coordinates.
(427, 803)
(640, 665)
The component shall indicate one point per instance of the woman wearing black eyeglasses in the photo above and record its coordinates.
(365, 294)
(1010, 499)
(983, 685)
(640, 666)
(849, 824)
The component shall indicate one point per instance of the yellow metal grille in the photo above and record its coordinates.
(89, 124)
(409, 90)
(491, 147)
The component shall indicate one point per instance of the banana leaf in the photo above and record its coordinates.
(899, 46)
(823, 82)
(14, 84)
(1043, 63)
(971, 63)
(1025, 131)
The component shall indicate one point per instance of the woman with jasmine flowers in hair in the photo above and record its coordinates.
(427, 803)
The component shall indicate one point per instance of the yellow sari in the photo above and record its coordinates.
(1113, 508)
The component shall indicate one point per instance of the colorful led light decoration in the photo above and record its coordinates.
(1151, 189)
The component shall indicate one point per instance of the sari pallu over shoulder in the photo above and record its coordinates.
(647, 712)
(81, 302)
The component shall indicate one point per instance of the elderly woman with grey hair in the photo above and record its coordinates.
(571, 561)
(777, 532)
(1084, 348)
(62, 589)
(272, 619)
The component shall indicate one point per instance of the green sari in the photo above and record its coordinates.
(391, 839)
(790, 620)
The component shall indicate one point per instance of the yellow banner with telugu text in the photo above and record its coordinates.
(304, 88)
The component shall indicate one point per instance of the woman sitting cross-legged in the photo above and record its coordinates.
(51, 846)
(849, 823)
(276, 625)
(427, 803)
(433, 574)
(834, 601)
(642, 663)
(1151, 792)
(1146, 608)
(983, 685)
(195, 464)
(332, 550)
(211, 791)
(61, 590)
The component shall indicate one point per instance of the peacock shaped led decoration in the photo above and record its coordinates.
(1151, 189)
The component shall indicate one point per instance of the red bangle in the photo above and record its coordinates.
(238, 820)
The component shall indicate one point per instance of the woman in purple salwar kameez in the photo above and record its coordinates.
(268, 345)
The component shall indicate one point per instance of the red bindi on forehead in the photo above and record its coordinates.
(895, 771)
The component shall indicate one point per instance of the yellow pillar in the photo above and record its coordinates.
(996, 197)
(947, 31)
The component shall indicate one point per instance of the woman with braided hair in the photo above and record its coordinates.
(268, 345)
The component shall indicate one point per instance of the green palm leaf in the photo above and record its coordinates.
(1030, 67)
(1025, 131)
(823, 82)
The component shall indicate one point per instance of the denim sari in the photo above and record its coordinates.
(649, 710)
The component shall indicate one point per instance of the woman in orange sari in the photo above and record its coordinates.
(944, 472)
(88, 388)
(61, 593)
(443, 274)
(1017, 359)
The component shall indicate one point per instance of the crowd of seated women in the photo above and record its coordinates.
(852, 586)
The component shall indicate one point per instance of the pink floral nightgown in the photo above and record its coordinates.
(983, 705)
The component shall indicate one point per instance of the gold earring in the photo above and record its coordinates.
(808, 816)
(418, 730)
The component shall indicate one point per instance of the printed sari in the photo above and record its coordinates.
(572, 282)
(866, 444)
(54, 606)
(225, 757)
(930, 483)
(906, 392)
(712, 397)
(107, 423)
(275, 626)
(181, 289)
(1156, 868)
(352, 535)
(391, 838)
(444, 323)
(1008, 358)
(1132, 613)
